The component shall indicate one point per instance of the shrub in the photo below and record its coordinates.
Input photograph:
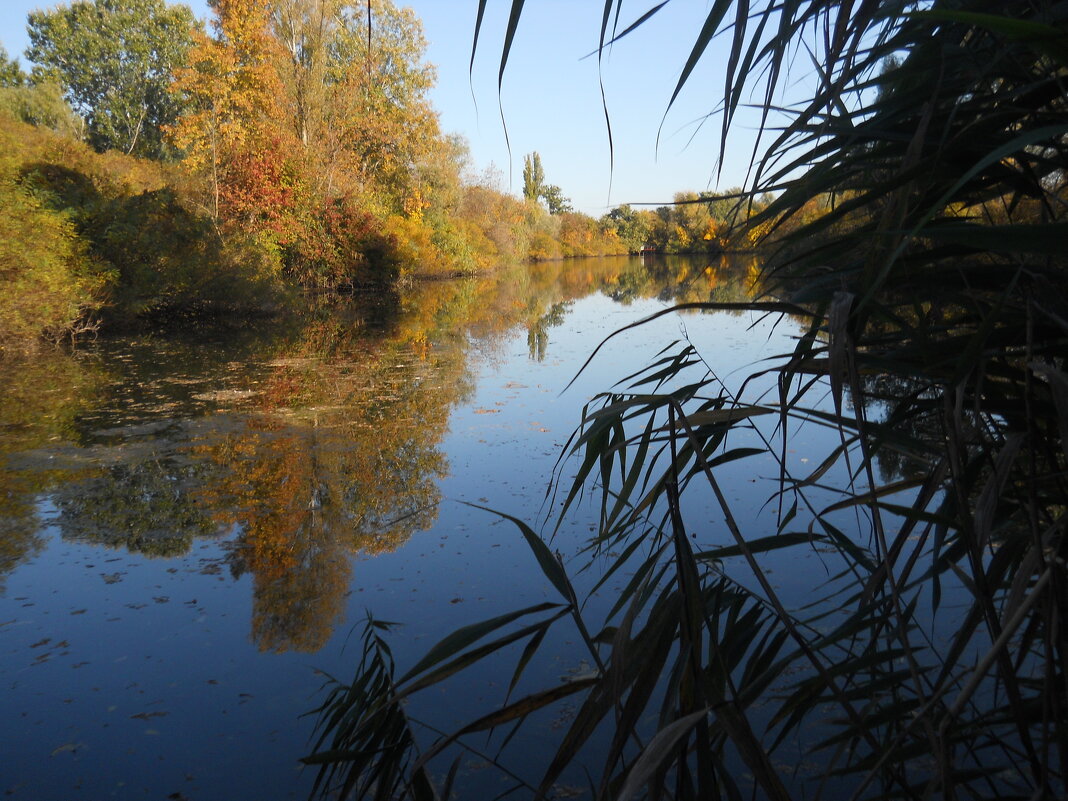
(50, 286)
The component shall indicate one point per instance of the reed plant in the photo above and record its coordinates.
(934, 297)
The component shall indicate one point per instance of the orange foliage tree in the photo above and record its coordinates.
(232, 135)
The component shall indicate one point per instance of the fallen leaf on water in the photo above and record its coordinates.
(147, 715)
(566, 791)
(68, 747)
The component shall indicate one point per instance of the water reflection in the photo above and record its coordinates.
(298, 443)
(142, 505)
(40, 399)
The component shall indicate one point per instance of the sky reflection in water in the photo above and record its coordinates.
(190, 528)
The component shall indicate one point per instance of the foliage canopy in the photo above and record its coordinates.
(115, 59)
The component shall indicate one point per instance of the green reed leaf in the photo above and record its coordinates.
(460, 639)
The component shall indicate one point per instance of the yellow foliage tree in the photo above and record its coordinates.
(232, 136)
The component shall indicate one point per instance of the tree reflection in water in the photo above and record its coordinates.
(354, 468)
(302, 444)
(39, 398)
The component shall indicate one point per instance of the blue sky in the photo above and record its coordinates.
(551, 98)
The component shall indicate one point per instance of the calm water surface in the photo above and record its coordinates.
(191, 528)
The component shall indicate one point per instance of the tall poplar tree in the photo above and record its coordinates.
(533, 176)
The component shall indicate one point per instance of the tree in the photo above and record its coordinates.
(47, 281)
(728, 207)
(533, 176)
(354, 102)
(355, 94)
(231, 133)
(632, 227)
(535, 188)
(42, 104)
(11, 73)
(114, 59)
(310, 123)
(555, 200)
(304, 29)
(36, 104)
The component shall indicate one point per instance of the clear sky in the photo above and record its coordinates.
(551, 99)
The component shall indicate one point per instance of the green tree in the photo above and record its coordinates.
(43, 105)
(11, 73)
(535, 188)
(49, 283)
(533, 176)
(114, 59)
(40, 104)
(691, 220)
(726, 207)
(555, 200)
(632, 227)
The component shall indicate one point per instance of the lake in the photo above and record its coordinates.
(194, 527)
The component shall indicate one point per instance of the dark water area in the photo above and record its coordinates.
(191, 527)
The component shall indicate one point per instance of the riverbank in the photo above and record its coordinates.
(95, 240)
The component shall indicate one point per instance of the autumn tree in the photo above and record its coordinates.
(392, 126)
(304, 30)
(114, 60)
(355, 84)
(231, 132)
(310, 121)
